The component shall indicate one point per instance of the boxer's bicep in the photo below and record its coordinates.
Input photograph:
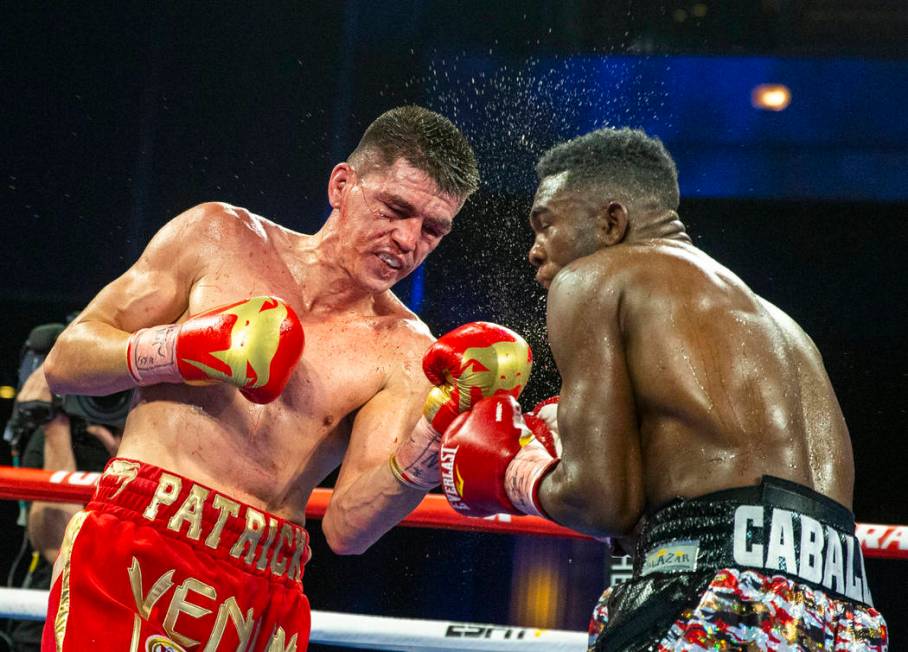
(598, 485)
(390, 415)
(155, 289)
(89, 356)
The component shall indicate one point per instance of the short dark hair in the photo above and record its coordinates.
(626, 162)
(428, 141)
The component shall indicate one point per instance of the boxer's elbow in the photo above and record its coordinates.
(589, 505)
(60, 371)
(342, 541)
(346, 547)
(55, 371)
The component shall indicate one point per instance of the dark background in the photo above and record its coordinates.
(117, 117)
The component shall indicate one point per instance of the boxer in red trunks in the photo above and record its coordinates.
(194, 538)
(221, 573)
(694, 416)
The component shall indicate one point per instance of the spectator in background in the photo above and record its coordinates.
(63, 443)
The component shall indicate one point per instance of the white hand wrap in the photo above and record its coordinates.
(523, 475)
(415, 462)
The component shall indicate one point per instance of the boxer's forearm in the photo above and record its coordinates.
(46, 526)
(362, 513)
(58, 445)
(47, 521)
(89, 358)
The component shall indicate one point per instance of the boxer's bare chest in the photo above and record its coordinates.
(282, 449)
(345, 352)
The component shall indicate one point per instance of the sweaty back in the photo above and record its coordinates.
(728, 388)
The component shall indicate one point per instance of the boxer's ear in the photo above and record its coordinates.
(612, 223)
(341, 177)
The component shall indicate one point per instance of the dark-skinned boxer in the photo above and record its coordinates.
(693, 415)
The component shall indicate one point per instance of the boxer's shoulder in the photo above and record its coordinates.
(414, 336)
(613, 280)
(656, 260)
(220, 222)
(386, 325)
(588, 281)
(651, 270)
(396, 321)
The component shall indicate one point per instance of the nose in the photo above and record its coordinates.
(536, 255)
(406, 234)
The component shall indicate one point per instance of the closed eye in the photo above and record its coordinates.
(539, 220)
(436, 228)
(390, 213)
(398, 213)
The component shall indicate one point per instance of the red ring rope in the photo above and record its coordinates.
(883, 541)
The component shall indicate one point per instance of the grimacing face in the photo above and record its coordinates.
(563, 225)
(393, 218)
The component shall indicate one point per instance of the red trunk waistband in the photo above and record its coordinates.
(254, 540)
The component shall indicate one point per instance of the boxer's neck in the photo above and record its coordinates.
(657, 226)
(327, 285)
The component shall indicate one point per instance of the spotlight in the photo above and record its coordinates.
(771, 97)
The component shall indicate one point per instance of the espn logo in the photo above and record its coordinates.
(494, 632)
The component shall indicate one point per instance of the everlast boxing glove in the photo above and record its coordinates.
(471, 362)
(492, 462)
(253, 344)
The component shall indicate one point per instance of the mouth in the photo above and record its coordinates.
(544, 281)
(393, 262)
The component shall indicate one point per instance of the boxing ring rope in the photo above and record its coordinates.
(433, 512)
(378, 632)
(328, 628)
(882, 541)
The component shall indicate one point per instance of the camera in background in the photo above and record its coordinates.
(110, 410)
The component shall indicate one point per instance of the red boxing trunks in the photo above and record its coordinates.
(158, 563)
(770, 567)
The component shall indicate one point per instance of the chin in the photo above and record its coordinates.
(374, 279)
(374, 285)
(546, 276)
(544, 281)
(377, 284)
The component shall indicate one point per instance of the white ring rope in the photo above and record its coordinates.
(373, 632)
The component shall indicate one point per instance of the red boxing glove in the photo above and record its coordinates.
(491, 463)
(253, 344)
(473, 361)
(470, 363)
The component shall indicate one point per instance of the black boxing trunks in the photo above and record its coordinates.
(774, 566)
(156, 562)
